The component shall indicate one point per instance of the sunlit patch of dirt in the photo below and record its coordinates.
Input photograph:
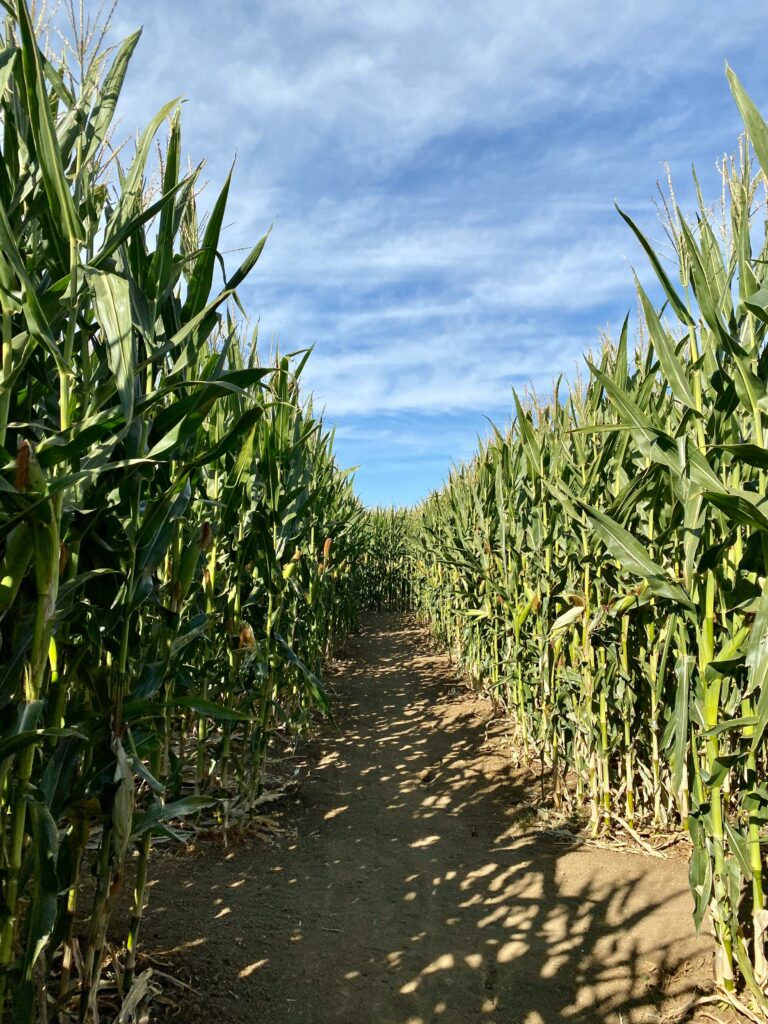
(421, 878)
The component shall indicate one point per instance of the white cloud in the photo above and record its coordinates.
(440, 175)
(383, 78)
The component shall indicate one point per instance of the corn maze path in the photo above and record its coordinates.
(411, 886)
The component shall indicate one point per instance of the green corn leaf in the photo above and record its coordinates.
(739, 847)
(757, 666)
(247, 266)
(44, 134)
(44, 908)
(33, 311)
(104, 109)
(740, 507)
(750, 115)
(674, 299)
(751, 454)
(7, 63)
(673, 369)
(200, 283)
(159, 813)
(163, 260)
(121, 234)
(633, 556)
(683, 671)
(10, 745)
(133, 183)
(112, 302)
(212, 710)
(122, 804)
(757, 303)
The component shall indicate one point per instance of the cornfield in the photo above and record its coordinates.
(601, 567)
(176, 537)
(383, 577)
(180, 551)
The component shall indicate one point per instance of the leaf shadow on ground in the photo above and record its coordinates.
(412, 893)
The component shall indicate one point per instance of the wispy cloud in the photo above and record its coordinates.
(441, 180)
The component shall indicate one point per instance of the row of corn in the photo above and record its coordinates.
(176, 539)
(601, 566)
(383, 576)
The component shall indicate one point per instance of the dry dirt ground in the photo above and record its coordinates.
(410, 888)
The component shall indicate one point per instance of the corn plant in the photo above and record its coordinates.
(383, 571)
(176, 539)
(601, 567)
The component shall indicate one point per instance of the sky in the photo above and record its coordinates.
(440, 180)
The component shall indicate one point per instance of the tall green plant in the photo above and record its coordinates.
(602, 567)
(176, 539)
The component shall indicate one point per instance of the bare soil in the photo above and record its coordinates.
(410, 888)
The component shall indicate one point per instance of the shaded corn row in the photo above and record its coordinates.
(602, 568)
(383, 575)
(176, 539)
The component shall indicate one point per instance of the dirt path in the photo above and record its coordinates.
(412, 892)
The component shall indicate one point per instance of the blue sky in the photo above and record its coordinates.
(441, 179)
